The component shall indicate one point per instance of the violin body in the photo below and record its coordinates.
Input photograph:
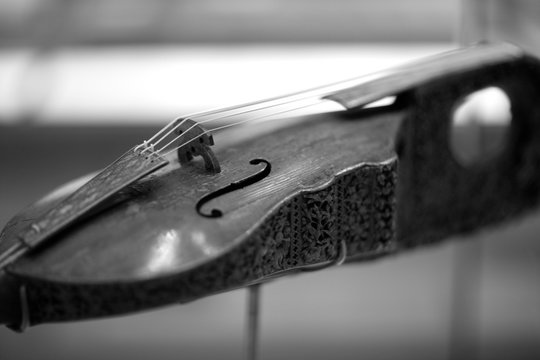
(294, 194)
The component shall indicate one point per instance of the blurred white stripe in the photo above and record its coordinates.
(136, 85)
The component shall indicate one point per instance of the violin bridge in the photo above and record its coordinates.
(196, 143)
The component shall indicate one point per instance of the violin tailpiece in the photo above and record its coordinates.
(127, 169)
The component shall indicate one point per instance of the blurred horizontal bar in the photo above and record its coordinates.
(152, 85)
(52, 23)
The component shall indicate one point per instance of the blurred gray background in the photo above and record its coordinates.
(83, 80)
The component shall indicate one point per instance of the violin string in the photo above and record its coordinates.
(162, 130)
(221, 117)
(169, 132)
(289, 100)
(200, 114)
(160, 151)
(320, 92)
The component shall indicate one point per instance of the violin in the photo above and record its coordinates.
(194, 211)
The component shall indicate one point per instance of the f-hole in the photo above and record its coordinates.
(252, 179)
(479, 126)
